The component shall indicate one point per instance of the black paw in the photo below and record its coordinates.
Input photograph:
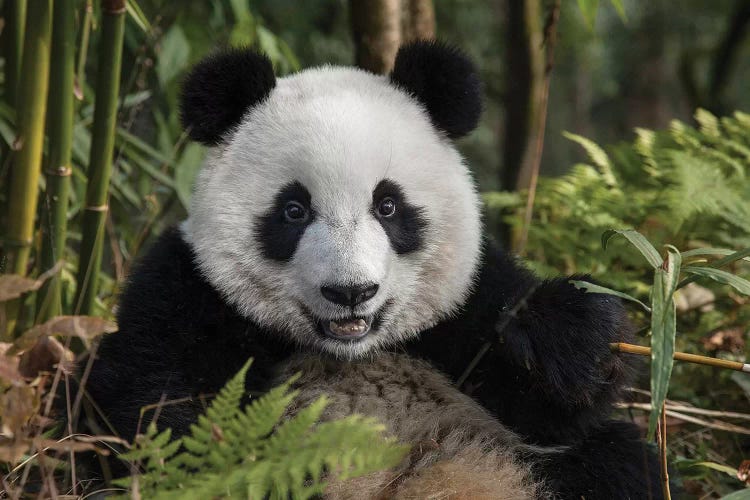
(562, 335)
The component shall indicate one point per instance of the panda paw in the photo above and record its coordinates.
(562, 336)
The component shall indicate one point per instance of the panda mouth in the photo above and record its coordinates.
(352, 328)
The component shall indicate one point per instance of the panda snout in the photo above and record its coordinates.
(349, 296)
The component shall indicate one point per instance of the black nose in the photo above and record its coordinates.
(349, 295)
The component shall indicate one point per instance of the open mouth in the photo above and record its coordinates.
(352, 328)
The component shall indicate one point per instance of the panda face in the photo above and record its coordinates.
(336, 215)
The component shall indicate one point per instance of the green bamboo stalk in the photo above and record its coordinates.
(25, 172)
(60, 132)
(102, 148)
(84, 48)
(13, 31)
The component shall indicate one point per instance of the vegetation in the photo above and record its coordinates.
(250, 453)
(118, 170)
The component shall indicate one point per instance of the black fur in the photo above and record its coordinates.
(177, 339)
(219, 90)
(549, 374)
(553, 378)
(277, 237)
(445, 81)
(405, 228)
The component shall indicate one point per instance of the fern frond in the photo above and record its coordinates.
(254, 453)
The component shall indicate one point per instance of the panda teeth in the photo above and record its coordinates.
(348, 327)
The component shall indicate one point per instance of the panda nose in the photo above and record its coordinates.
(349, 295)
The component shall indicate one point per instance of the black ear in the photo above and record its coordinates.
(445, 81)
(220, 89)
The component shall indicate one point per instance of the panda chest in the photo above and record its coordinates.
(414, 401)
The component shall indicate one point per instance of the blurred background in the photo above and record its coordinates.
(599, 115)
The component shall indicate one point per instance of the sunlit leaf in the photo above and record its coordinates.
(617, 4)
(663, 331)
(136, 14)
(597, 155)
(588, 9)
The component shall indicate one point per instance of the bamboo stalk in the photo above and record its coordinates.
(13, 33)
(58, 170)
(683, 356)
(24, 176)
(102, 148)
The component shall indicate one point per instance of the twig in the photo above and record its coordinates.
(550, 40)
(683, 356)
(661, 438)
(689, 409)
(715, 424)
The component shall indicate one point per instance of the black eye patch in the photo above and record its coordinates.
(277, 236)
(405, 228)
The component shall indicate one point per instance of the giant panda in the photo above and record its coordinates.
(335, 230)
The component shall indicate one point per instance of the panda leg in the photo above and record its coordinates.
(611, 462)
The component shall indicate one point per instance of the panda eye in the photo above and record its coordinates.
(386, 207)
(295, 212)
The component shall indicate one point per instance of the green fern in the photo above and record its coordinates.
(684, 185)
(253, 453)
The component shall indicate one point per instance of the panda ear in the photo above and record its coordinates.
(444, 80)
(220, 89)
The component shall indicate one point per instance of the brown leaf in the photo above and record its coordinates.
(9, 370)
(68, 445)
(743, 472)
(17, 405)
(13, 450)
(726, 340)
(84, 327)
(46, 354)
(13, 286)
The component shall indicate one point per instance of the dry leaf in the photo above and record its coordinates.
(12, 451)
(83, 327)
(726, 340)
(9, 370)
(68, 445)
(17, 405)
(743, 472)
(46, 354)
(13, 286)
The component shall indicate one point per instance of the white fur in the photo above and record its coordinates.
(339, 132)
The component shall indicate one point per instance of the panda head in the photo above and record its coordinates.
(333, 208)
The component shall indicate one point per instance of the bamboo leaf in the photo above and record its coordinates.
(639, 241)
(588, 9)
(186, 171)
(740, 284)
(592, 288)
(663, 331)
(617, 4)
(697, 252)
(174, 55)
(136, 14)
(731, 471)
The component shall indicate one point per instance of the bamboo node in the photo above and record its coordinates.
(96, 208)
(61, 171)
(12, 242)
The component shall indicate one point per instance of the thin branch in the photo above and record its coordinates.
(550, 41)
